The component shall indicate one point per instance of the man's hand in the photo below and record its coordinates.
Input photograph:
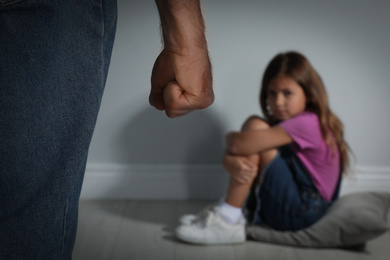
(181, 83)
(240, 168)
(181, 77)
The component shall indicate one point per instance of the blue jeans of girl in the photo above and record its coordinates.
(284, 196)
(54, 58)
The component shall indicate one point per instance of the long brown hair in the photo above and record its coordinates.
(297, 67)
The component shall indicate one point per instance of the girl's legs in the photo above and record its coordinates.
(279, 203)
(224, 224)
(237, 192)
(287, 199)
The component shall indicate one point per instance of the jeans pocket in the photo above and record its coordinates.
(314, 204)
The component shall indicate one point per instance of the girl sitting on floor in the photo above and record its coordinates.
(285, 170)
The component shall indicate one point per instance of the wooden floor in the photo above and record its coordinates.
(116, 230)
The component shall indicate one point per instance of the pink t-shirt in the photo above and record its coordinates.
(320, 160)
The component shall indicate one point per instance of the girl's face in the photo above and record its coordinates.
(285, 98)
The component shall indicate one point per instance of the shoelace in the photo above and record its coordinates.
(201, 218)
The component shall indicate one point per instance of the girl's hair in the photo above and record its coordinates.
(297, 67)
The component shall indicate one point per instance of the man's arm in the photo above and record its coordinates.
(181, 77)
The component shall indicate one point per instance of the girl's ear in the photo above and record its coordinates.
(309, 102)
(309, 98)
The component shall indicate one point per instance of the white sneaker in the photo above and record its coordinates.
(189, 219)
(211, 229)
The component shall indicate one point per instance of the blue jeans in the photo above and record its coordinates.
(54, 58)
(285, 197)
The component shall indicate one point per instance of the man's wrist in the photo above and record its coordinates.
(182, 26)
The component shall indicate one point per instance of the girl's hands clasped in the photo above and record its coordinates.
(240, 168)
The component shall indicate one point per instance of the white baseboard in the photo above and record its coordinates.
(181, 182)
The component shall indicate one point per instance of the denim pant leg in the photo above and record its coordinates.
(286, 199)
(54, 58)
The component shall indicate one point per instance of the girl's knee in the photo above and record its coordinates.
(254, 123)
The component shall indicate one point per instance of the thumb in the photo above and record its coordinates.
(175, 100)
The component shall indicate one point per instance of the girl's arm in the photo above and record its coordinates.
(247, 143)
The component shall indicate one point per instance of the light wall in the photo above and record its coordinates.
(346, 41)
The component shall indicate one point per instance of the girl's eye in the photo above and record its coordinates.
(287, 93)
(271, 93)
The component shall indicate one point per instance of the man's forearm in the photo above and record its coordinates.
(182, 25)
